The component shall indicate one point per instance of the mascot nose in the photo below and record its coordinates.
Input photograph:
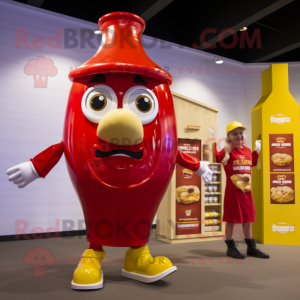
(121, 127)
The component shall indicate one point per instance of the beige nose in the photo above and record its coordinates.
(121, 127)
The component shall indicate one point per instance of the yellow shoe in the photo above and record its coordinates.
(141, 266)
(88, 274)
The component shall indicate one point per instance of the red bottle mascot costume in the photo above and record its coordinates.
(120, 145)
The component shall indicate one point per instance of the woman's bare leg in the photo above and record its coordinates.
(247, 228)
(229, 231)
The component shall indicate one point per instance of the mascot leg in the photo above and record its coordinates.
(141, 266)
(88, 274)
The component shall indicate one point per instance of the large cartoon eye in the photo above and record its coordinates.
(98, 101)
(142, 102)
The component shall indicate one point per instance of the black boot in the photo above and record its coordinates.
(233, 251)
(253, 251)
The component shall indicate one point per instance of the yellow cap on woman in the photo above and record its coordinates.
(233, 125)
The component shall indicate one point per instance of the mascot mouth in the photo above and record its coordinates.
(119, 152)
(105, 150)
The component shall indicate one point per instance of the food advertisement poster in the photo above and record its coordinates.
(282, 189)
(188, 184)
(281, 153)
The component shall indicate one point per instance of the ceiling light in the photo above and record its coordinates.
(243, 29)
(97, 30)
(218, 60)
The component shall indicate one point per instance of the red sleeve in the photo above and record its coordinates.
(46, 160)
(219, 155)
(187, 161)
(255, 157)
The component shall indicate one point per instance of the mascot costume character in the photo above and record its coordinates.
(120, 145)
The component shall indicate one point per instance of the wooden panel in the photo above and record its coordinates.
(198, 116)
(193, 113)
(164, 214)
(191, 240)
(206, 106)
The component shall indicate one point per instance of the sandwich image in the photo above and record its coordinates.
(281, 159)
(187, 194)
(242, 182)
(282, 194)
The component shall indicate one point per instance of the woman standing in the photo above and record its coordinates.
(239, 208)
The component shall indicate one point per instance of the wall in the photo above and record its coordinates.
(31, 119)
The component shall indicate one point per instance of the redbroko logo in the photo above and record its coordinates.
(71, 38)
(40, 68)
(39, 258)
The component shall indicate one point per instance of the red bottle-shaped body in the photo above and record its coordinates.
(120, 165)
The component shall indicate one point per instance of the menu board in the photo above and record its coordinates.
(188, 188)
(281, 153)
(282, 189)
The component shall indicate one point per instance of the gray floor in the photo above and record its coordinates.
(204, 272)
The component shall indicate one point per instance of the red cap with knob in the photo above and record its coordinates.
(121, 50)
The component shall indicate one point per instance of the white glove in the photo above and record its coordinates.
(212, 132)
(205, 171)
(22, 174)
(257, 145)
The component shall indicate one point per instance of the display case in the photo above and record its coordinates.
(180, 222)
(213, 201)
(276, 180)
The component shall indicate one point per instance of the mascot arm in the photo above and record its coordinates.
(46, 160)
(200, 167)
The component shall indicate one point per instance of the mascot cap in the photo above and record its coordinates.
(121, 50)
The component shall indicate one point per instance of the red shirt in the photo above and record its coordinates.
(238, 200)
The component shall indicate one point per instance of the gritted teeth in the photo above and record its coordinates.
(118, 152)
(105, 146)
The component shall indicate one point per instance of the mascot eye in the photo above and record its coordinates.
(142, 102)
(97, 101)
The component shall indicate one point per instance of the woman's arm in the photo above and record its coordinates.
(219, 155)
(255, 153)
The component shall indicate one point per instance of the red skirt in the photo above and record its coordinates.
(238, 206)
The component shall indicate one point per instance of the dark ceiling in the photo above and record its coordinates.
(273, 26)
